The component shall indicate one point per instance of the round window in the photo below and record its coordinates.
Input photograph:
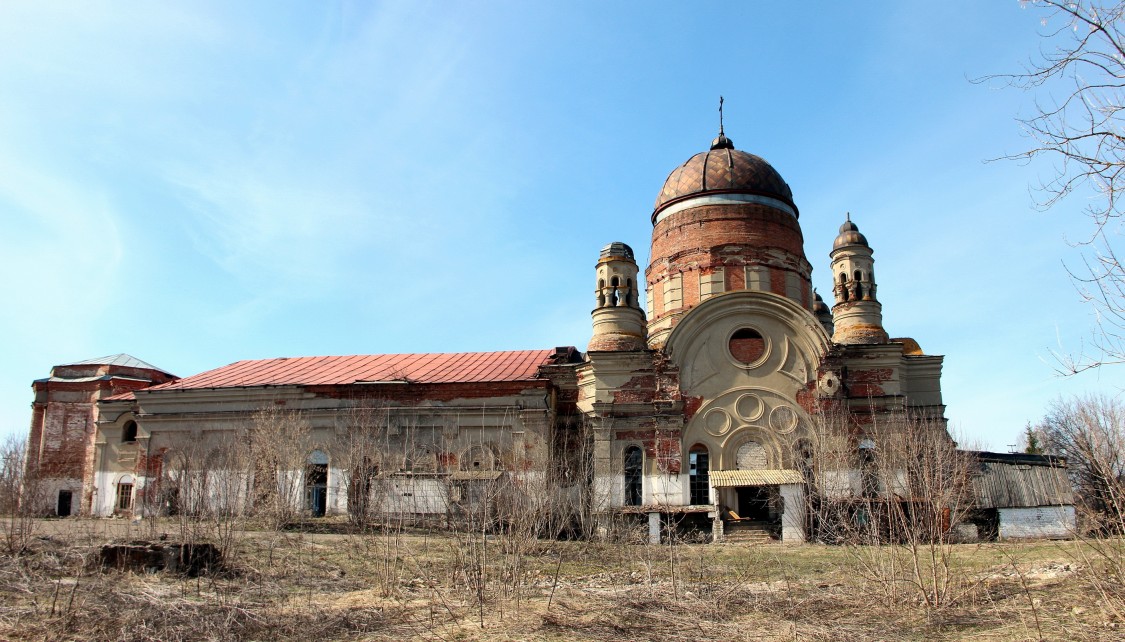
(747, 345)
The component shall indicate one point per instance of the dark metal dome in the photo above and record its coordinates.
(617, 248)
(723, 169)
(849, 235)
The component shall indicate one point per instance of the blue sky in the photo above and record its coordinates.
(198, 183)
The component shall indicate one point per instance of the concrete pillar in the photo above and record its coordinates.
(793, 513)
(654, 528)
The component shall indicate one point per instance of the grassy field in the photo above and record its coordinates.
(393, 585)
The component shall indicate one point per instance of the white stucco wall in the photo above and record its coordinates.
(1041, 521)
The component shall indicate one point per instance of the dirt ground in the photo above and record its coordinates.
(399, 584)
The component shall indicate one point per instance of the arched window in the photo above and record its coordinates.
(479, 457)
(129, 432)
(843, 277)
(699, 475)
(858, 275)
(751, 456)
(634, 485)
(124, 502)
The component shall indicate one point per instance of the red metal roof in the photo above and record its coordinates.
(463, 367)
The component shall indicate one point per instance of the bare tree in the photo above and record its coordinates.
(13, 461)
(22, 495)
(1079, 81)
(280, 442)
(361, 445)
(1090, 432)
(891, 492)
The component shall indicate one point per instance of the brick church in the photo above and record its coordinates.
(697, 398)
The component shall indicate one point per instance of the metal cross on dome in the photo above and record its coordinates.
(720, 115)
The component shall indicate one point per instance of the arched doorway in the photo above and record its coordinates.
(316, 484)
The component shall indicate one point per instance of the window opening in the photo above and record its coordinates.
(634, 485)
(65, 499)
(124, 496)
(316, 484)
(129, 432)
(699, 478)
(747, 345)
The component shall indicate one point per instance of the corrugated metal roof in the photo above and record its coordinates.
(122, 359)
(725, 478)
(1002, 485)
(464, 367)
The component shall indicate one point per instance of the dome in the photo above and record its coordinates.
(849, 235)
(619, 249)
(819, 306)
(723, 170)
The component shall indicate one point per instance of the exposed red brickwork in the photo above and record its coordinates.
(691, 406)
(747, 345)
(65, 414)
(867, 383)
(690, 289)
(735, 278)
(447, 461)
(807, 399)
(699, 240)
(615, 342)
(662, 447)
(777, 281)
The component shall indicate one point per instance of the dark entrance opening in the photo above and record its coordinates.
(316, 489)
(65, 499)
(754, 502)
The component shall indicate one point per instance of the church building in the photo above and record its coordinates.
(699, 397)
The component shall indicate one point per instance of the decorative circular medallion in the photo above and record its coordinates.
(749, 407)
(783, 419)
(829, 382)
(717, 421)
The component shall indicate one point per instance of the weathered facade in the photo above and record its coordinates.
(698, 402)
(64, 420)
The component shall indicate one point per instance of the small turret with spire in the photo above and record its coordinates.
(857, 315)
(619, 323)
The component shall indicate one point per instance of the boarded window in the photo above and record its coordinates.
(711, 284)
(751, 456)
(757, 277)
(673, 293)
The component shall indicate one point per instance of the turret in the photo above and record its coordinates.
(857, 315)
(619, 323)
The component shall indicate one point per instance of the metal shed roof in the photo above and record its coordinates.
(1004, 485)
(728, 478)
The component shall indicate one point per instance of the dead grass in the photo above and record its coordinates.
(426, 586)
